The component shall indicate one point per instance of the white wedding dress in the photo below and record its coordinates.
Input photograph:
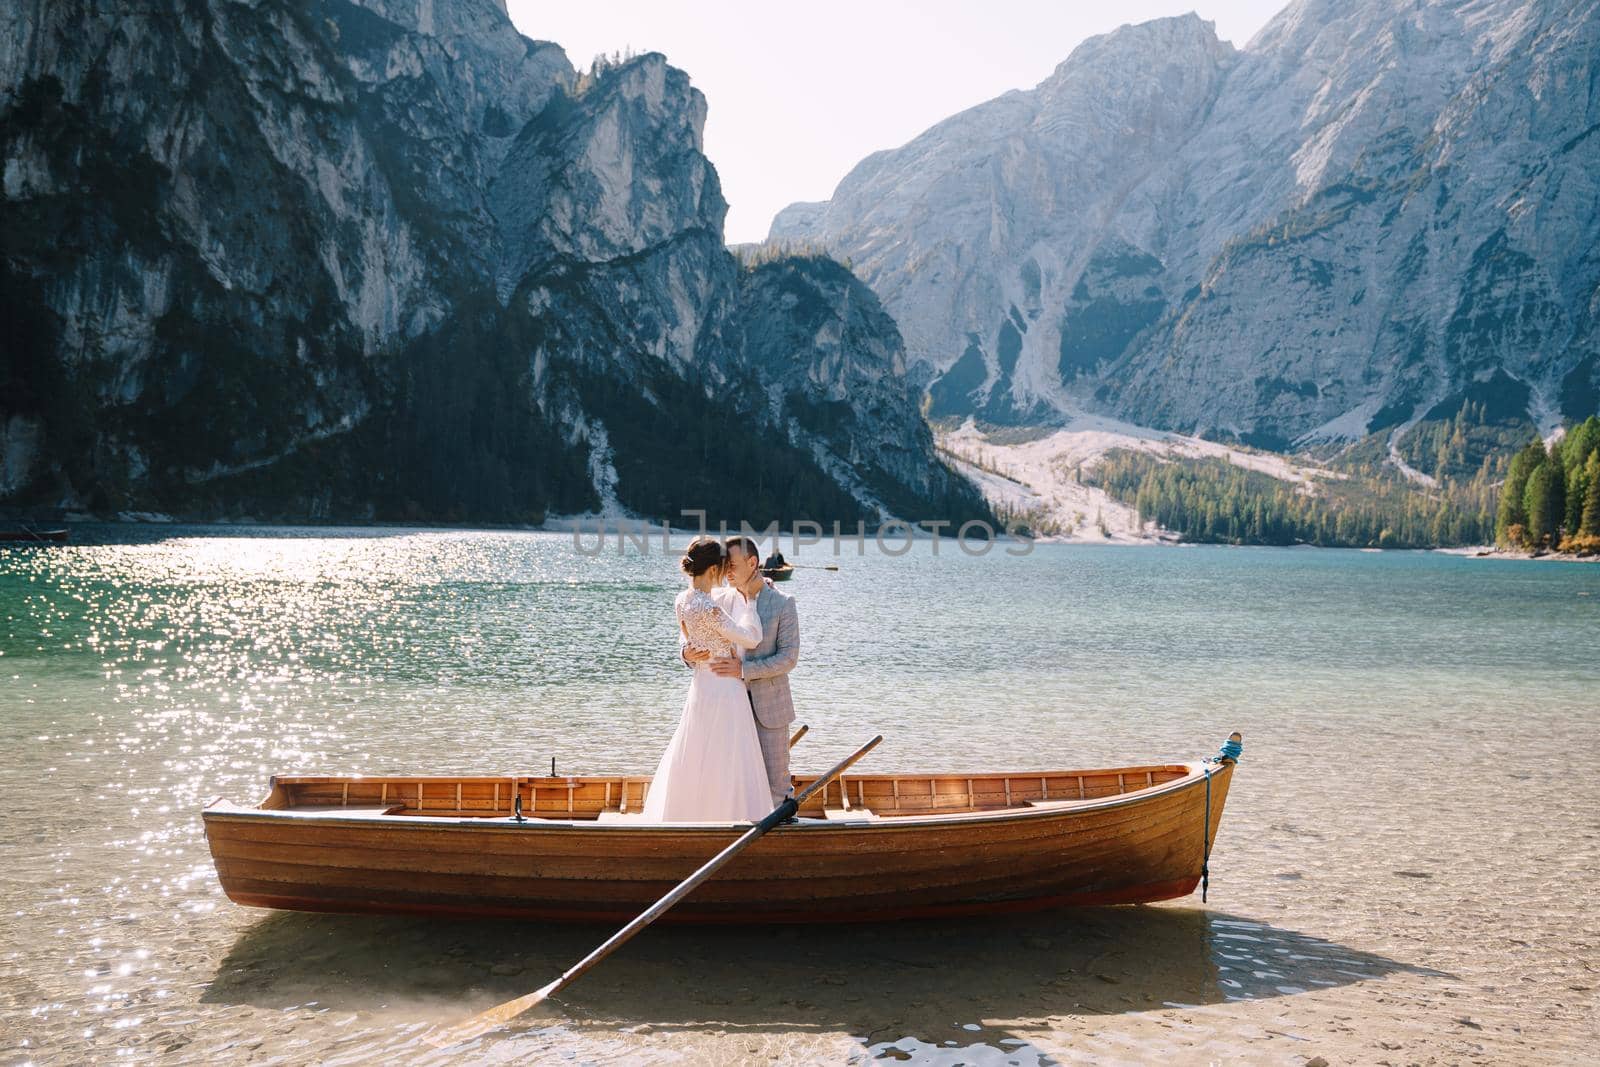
(712, 770)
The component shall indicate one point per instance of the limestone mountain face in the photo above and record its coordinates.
(835, 370)
(1361, 213)
(380, 259)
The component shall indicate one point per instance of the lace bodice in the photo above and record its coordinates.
(707, 626)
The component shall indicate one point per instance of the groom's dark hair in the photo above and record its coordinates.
(745, 543)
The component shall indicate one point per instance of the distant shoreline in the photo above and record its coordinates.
(576, 524)
(585, 525)
(1491, 552)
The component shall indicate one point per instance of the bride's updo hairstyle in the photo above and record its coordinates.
(703, 554)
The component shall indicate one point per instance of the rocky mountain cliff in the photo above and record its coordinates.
(1329, 233)
(392, 259)
(835, 373)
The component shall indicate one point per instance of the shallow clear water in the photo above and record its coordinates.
(1412, 832)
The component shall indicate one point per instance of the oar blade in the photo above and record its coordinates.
(488, 1021)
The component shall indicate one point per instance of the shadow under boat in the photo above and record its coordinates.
(896, 986)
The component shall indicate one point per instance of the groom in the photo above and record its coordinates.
(765, 668)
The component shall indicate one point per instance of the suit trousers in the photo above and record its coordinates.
(775, 752)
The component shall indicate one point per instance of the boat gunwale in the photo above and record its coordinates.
(1195, 773)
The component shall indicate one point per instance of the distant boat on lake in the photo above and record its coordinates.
(28, 533)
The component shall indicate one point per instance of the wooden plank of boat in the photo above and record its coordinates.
(779, 574)
(868, 848)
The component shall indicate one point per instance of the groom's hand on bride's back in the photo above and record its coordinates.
(695, 655)
(727, 667)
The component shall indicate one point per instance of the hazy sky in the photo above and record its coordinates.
(798, 94)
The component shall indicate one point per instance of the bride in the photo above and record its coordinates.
(712, 770)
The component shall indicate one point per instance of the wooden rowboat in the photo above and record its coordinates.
(867, 848)
(29, 535)
(779, 574)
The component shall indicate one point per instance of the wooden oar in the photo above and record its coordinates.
(500, 1015)
(798, 734)
(814, 567)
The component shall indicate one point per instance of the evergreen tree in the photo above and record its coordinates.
(1589, 523)
(1213, 500)
(1512, 510)
(1576, 493)
(1579, 442)
(1542, 502)
(1558, 492)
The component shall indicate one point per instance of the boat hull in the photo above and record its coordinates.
(57, 536)
(1139, 847)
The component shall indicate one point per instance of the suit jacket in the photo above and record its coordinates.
(767, 666)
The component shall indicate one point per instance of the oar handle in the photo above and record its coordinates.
(798, 734)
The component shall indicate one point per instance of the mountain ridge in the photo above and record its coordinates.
(1316, 237)
(384, 260)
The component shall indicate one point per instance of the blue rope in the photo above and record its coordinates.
(1231, 749)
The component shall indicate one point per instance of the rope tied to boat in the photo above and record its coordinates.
(1231, 751)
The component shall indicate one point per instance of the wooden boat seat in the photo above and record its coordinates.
(333, 810)
(856, 814)
(830, 815)
(620, 816)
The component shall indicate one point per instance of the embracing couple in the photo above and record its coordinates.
(729, 759)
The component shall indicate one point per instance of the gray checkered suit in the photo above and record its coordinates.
(766, 672)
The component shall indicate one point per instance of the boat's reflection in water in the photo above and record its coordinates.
(916, 989)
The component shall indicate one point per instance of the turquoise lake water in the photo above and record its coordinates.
(1397, 708)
